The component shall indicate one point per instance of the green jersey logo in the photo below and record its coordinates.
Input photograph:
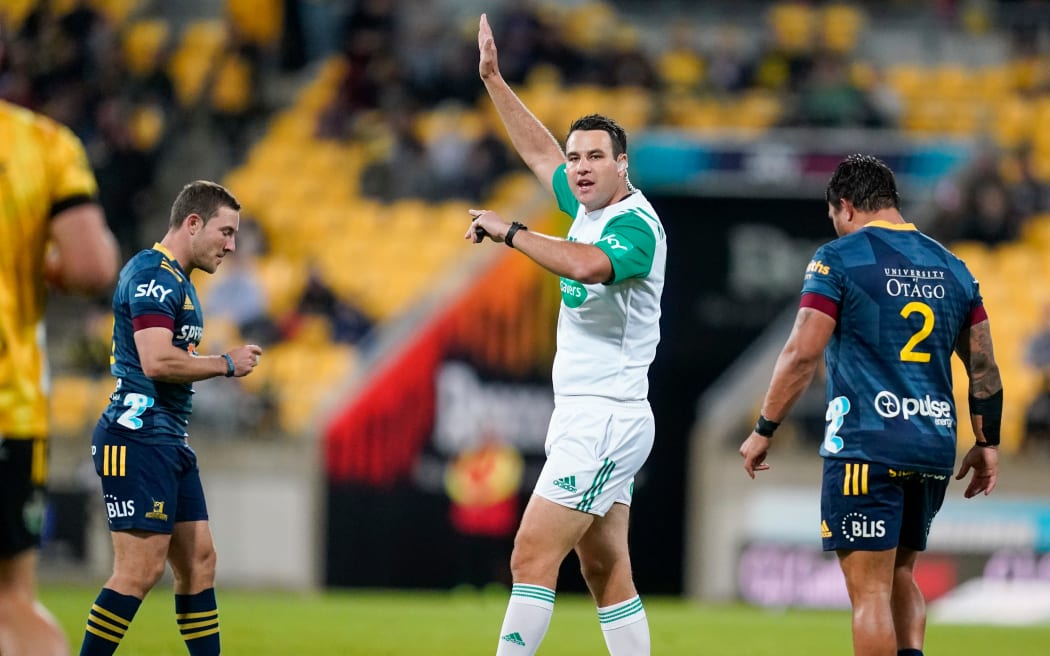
(573, 293)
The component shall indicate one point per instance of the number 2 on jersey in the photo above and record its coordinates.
(908, 353)
(138, 404)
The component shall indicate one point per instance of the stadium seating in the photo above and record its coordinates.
(305, 191)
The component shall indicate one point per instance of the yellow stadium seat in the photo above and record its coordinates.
(908, 80)
(950, 81)
(14, 12)
(792, 25)
(144, 41)
(146, 125)
(1012, 121)
(194, 57)
(681, 68)
(258, 21)
(1036, 232)
(231, 89)
(283, 281)
(840, 26)
(72, 398)
(992, 82)
(116, 11)
(589, 24)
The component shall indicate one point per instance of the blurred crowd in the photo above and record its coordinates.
(130, 83)
(70, 67)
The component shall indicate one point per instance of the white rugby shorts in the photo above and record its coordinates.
(594, 447)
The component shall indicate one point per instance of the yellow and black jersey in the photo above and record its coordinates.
(43, 171)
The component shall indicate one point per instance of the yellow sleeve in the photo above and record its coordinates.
(70, 179)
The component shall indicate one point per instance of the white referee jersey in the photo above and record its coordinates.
(608, 332)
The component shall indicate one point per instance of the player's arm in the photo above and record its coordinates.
(84, 255)
(974, 348)
(163, 361)
(535, 144)
(792, 374)
(797, 362)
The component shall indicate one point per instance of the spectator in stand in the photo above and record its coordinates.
(125, 172)
(829, 99)
(403, 171)
(1029, 195)
(349, 324)
(988, 215)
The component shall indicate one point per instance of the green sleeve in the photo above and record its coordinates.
(630, 244)
(566, 201)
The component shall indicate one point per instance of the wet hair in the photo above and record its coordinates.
(202, 198)
(599, 122)
(866, 182)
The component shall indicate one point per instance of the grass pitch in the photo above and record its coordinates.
(467, 623)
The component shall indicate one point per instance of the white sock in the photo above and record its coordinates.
(625, 628)
(528, 616)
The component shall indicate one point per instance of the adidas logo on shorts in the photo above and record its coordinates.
(568, 483)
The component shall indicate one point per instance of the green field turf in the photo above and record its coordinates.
(464, 624)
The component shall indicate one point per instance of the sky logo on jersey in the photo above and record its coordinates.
(890, 406)
(152, 290)
(614, 243)
(816, 266)
(573, 293)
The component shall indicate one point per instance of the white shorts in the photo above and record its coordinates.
(594, 448)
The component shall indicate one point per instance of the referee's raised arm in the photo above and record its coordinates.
(535, 144)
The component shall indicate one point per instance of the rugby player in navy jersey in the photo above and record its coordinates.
(887, 306)
(150, 482)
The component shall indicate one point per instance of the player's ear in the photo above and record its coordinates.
(848, 209)
(622, 166)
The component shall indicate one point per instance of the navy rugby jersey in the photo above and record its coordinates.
(153, 291)
(900, 300)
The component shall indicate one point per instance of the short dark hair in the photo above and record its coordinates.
(866, 182)
(599, 122)
(203, 198)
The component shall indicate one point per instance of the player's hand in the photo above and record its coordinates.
(488, 66)
(984, 461)
(754, 450)
(486, 223)
(245, 359)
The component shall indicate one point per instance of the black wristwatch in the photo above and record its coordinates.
(514, 228)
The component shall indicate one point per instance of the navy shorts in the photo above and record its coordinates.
(23, 470)
(866, 506)
(147, 486)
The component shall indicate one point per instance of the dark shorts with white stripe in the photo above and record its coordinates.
(867, 506)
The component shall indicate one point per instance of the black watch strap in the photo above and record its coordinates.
(513, 230)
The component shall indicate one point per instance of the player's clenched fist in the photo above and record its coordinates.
(245, 358)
